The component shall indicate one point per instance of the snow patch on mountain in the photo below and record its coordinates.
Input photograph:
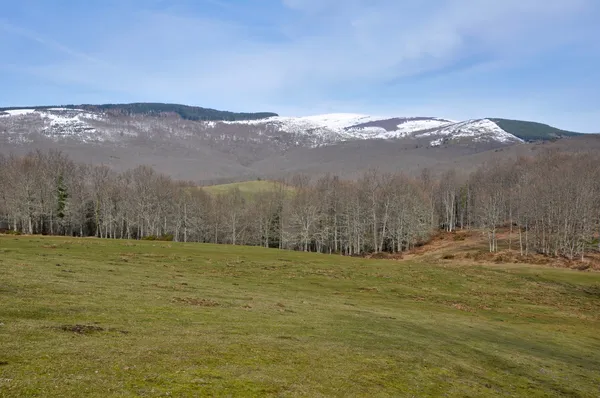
(365, 133)
(477, 130)
(411, 126)
(63, 123)
(66, 109)
(335, 121)
(318, 130)
(338, 120)
(57, 123)
(442, 130)
(17, 112)
(337, 127)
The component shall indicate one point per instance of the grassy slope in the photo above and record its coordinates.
(287, 324)
(245, 187)
(532, 131)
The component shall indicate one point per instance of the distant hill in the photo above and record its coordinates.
(154, 109)
(247, 188)
(217, 150)
(532, 131)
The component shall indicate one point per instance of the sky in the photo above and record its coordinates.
(460, 59)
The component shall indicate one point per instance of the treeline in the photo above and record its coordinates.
(156, 108)
(532, 131)
(551, 203)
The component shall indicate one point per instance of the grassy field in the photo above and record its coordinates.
(245, 187)
(100, 318)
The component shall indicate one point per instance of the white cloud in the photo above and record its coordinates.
(328, 49)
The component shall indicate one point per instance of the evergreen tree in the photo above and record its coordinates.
(61, 196)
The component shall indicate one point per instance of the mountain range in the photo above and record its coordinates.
(203, 144)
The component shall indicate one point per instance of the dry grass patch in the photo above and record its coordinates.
(195, 301)
(81, 329)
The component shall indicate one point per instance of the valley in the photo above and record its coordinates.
(384, 199)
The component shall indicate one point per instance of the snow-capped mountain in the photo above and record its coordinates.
(195, 143)
(332, 128)
(59, 124)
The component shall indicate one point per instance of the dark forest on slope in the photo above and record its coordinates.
(532, 131)
(153, 109)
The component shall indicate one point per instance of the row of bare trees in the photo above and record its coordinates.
(550, 204)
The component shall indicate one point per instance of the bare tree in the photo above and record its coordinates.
(553, 200)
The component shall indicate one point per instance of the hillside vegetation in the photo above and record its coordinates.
(153, 109)
(532, 131)
(247, 188)
(100, 318)
(551, 201)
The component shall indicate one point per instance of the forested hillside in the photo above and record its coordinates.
(154, 109)
(532, 131)
(552, 200)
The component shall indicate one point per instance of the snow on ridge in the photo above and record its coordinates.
(320, 129)
(370, 132)
(313, 131)
(476, 129)
(328, 120)
(337, 127)
(60, 123)
(419, 125)
(18, 112)
(341, 120)
(65, 109)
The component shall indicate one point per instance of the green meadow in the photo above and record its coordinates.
(118, 318)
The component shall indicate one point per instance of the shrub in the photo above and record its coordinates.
(165, 237)
(9, 232)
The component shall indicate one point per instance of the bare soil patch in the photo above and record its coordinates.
(82, 329)
(472, 246)
(89, 329)
(196, 301)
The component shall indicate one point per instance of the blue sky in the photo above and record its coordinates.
(526, 59)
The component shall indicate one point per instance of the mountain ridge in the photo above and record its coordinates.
(198, 150)
(532, 131)
(526, 130)
(186, 112)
